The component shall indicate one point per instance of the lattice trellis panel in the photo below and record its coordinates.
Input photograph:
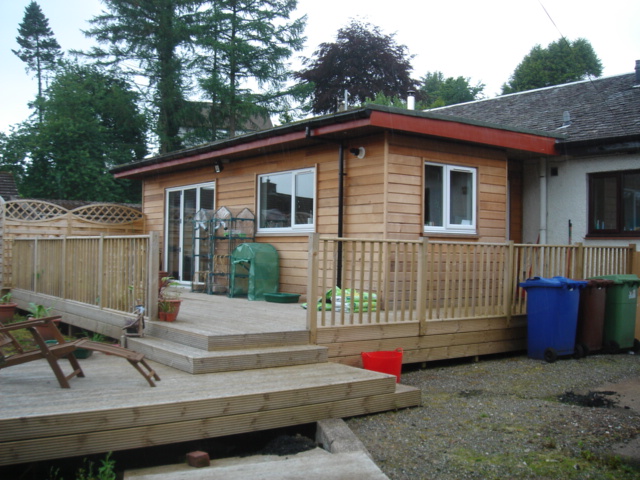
(32, 210)
(107, 213)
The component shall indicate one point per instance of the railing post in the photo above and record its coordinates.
(153, 268)
(579, 261)
(510, 280)
(421, 305)
(312, 287)
(632, 264)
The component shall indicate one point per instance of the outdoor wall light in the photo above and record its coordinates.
(217, 166)
(358, 152)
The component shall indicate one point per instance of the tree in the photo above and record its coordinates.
(151, 37)
(437, 91)
(561, 62)
(38, 47)
(363, 62)
(91, 123)
(244, 41)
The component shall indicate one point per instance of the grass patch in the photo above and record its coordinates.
(547, 464)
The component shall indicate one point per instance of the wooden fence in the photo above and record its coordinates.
(31, 218)
(107, 272)
(366, 282)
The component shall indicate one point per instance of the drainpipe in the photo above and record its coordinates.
(543, 201)
(340, 213)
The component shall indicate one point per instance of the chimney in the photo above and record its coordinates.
(637, 72)
(411, 99)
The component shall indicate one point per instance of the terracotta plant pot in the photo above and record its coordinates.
(7, 311)
(170, 311)
(46, 331)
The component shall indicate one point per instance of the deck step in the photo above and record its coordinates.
(192, 336)
(197, 361)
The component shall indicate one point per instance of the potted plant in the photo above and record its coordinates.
(40, 311)
(168, 300)
(7, 308)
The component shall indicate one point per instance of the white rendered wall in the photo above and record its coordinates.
(567, 198)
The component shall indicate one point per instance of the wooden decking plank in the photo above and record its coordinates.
(210, 427)
(418, 343)
(92, 404)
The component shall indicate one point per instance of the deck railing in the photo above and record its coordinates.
(108, 272)
(364, 281)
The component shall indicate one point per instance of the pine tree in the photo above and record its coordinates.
(38, 47)
(246, 41)
(150, 36)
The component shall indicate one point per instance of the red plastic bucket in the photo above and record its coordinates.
(384, 362)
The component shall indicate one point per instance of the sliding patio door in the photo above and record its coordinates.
(180, 248)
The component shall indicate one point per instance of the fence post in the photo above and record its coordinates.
(153, 267)
(312, 287)
(509, 287)
(101, 271)
(421, 306)
(633, 263)
(579, 261)
(35, 265)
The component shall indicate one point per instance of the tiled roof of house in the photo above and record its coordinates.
(8, 189)
(598, 109)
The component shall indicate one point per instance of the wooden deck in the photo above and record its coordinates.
(276, 383)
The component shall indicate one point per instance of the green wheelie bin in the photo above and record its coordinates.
(620, 313)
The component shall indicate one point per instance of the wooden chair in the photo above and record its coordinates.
(63, 350)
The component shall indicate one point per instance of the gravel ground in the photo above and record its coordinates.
(503, 417)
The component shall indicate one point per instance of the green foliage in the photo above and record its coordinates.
(381, 99)
(437, 91)
(150, 38)
(90, 124)
(240, 41)
(362, 61)
(6, 298)
(38, 47)
(105, 471)
(561, 62)
(38, 311)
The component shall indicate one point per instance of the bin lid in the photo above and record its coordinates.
(630, 279)
(555, 282)
(598, 282)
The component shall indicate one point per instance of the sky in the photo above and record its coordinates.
(483, 40)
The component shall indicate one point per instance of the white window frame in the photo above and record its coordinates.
(182, 238)
(447, 226)
(294, 228)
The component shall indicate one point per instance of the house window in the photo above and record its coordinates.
(449, 199)
(614, 203)
(286, 201)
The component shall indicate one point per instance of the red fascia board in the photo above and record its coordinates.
(200, 157)
(243, 147)
(465, 132)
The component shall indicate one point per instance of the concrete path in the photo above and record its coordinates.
(342, 456)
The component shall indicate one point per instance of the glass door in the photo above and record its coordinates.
(180, 248)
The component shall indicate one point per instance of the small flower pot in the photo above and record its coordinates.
(7, 311)
(169, 310)
(46, 331)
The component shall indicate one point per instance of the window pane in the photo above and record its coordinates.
(631, 202)
(433, 196)
(461, 198)
(275, 201)
(604, 204)
(304, 198)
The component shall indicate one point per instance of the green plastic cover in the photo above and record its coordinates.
(254, 271)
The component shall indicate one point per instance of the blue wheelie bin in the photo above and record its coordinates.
(552, 316)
